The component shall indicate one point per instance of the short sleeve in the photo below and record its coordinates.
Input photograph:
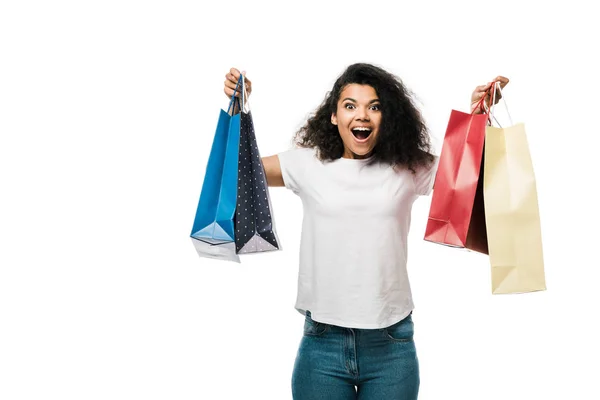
(294, 164)
(425, 177)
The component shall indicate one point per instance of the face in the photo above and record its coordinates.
(358, 117)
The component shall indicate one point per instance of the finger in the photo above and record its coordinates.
(233, 76)
(481, 91)
(483, 88)
(229, 92)
(231, 85)
(477, 96)
(235, 72)
(229, 79)
(503, 81)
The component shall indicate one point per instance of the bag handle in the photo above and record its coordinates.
(496, 86)
(236, 100)
(245, 101)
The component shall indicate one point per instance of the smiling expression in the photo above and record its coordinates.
(358, 117)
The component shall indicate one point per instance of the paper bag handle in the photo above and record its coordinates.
(496, 86)
(245, 107)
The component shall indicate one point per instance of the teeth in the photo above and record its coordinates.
(360, 128)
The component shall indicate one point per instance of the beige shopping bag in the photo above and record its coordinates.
(511, 211)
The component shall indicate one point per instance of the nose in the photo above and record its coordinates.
(361, 114)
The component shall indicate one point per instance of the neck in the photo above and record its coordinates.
(353, 156)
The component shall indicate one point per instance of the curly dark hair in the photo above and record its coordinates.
(403, 136)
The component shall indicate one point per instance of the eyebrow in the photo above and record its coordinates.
(351, 99)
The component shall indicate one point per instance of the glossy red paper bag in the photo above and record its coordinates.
(456, 215)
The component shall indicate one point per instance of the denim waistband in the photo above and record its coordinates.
(409, 316)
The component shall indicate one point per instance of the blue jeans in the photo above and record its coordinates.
(336, 363)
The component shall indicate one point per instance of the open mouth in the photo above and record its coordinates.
(361, 133)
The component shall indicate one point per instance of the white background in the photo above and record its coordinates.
(107, 111)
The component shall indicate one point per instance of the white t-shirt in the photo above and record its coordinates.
(353, 248)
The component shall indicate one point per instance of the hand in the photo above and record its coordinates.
(484, 90)
(231, 80)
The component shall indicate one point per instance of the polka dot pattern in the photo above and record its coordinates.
(253, 219)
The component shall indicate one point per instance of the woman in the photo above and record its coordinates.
(362, 159)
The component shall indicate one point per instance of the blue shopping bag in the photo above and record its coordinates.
(213, 228)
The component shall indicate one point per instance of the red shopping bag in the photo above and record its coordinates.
(456, 215)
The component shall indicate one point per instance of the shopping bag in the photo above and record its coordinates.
(511, 211)
(254, 223)
(456, 215)
(213, 228)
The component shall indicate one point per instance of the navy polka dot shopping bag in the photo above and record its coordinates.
(234, 214)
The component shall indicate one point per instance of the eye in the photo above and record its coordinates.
(349, 106)
(376, 107)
